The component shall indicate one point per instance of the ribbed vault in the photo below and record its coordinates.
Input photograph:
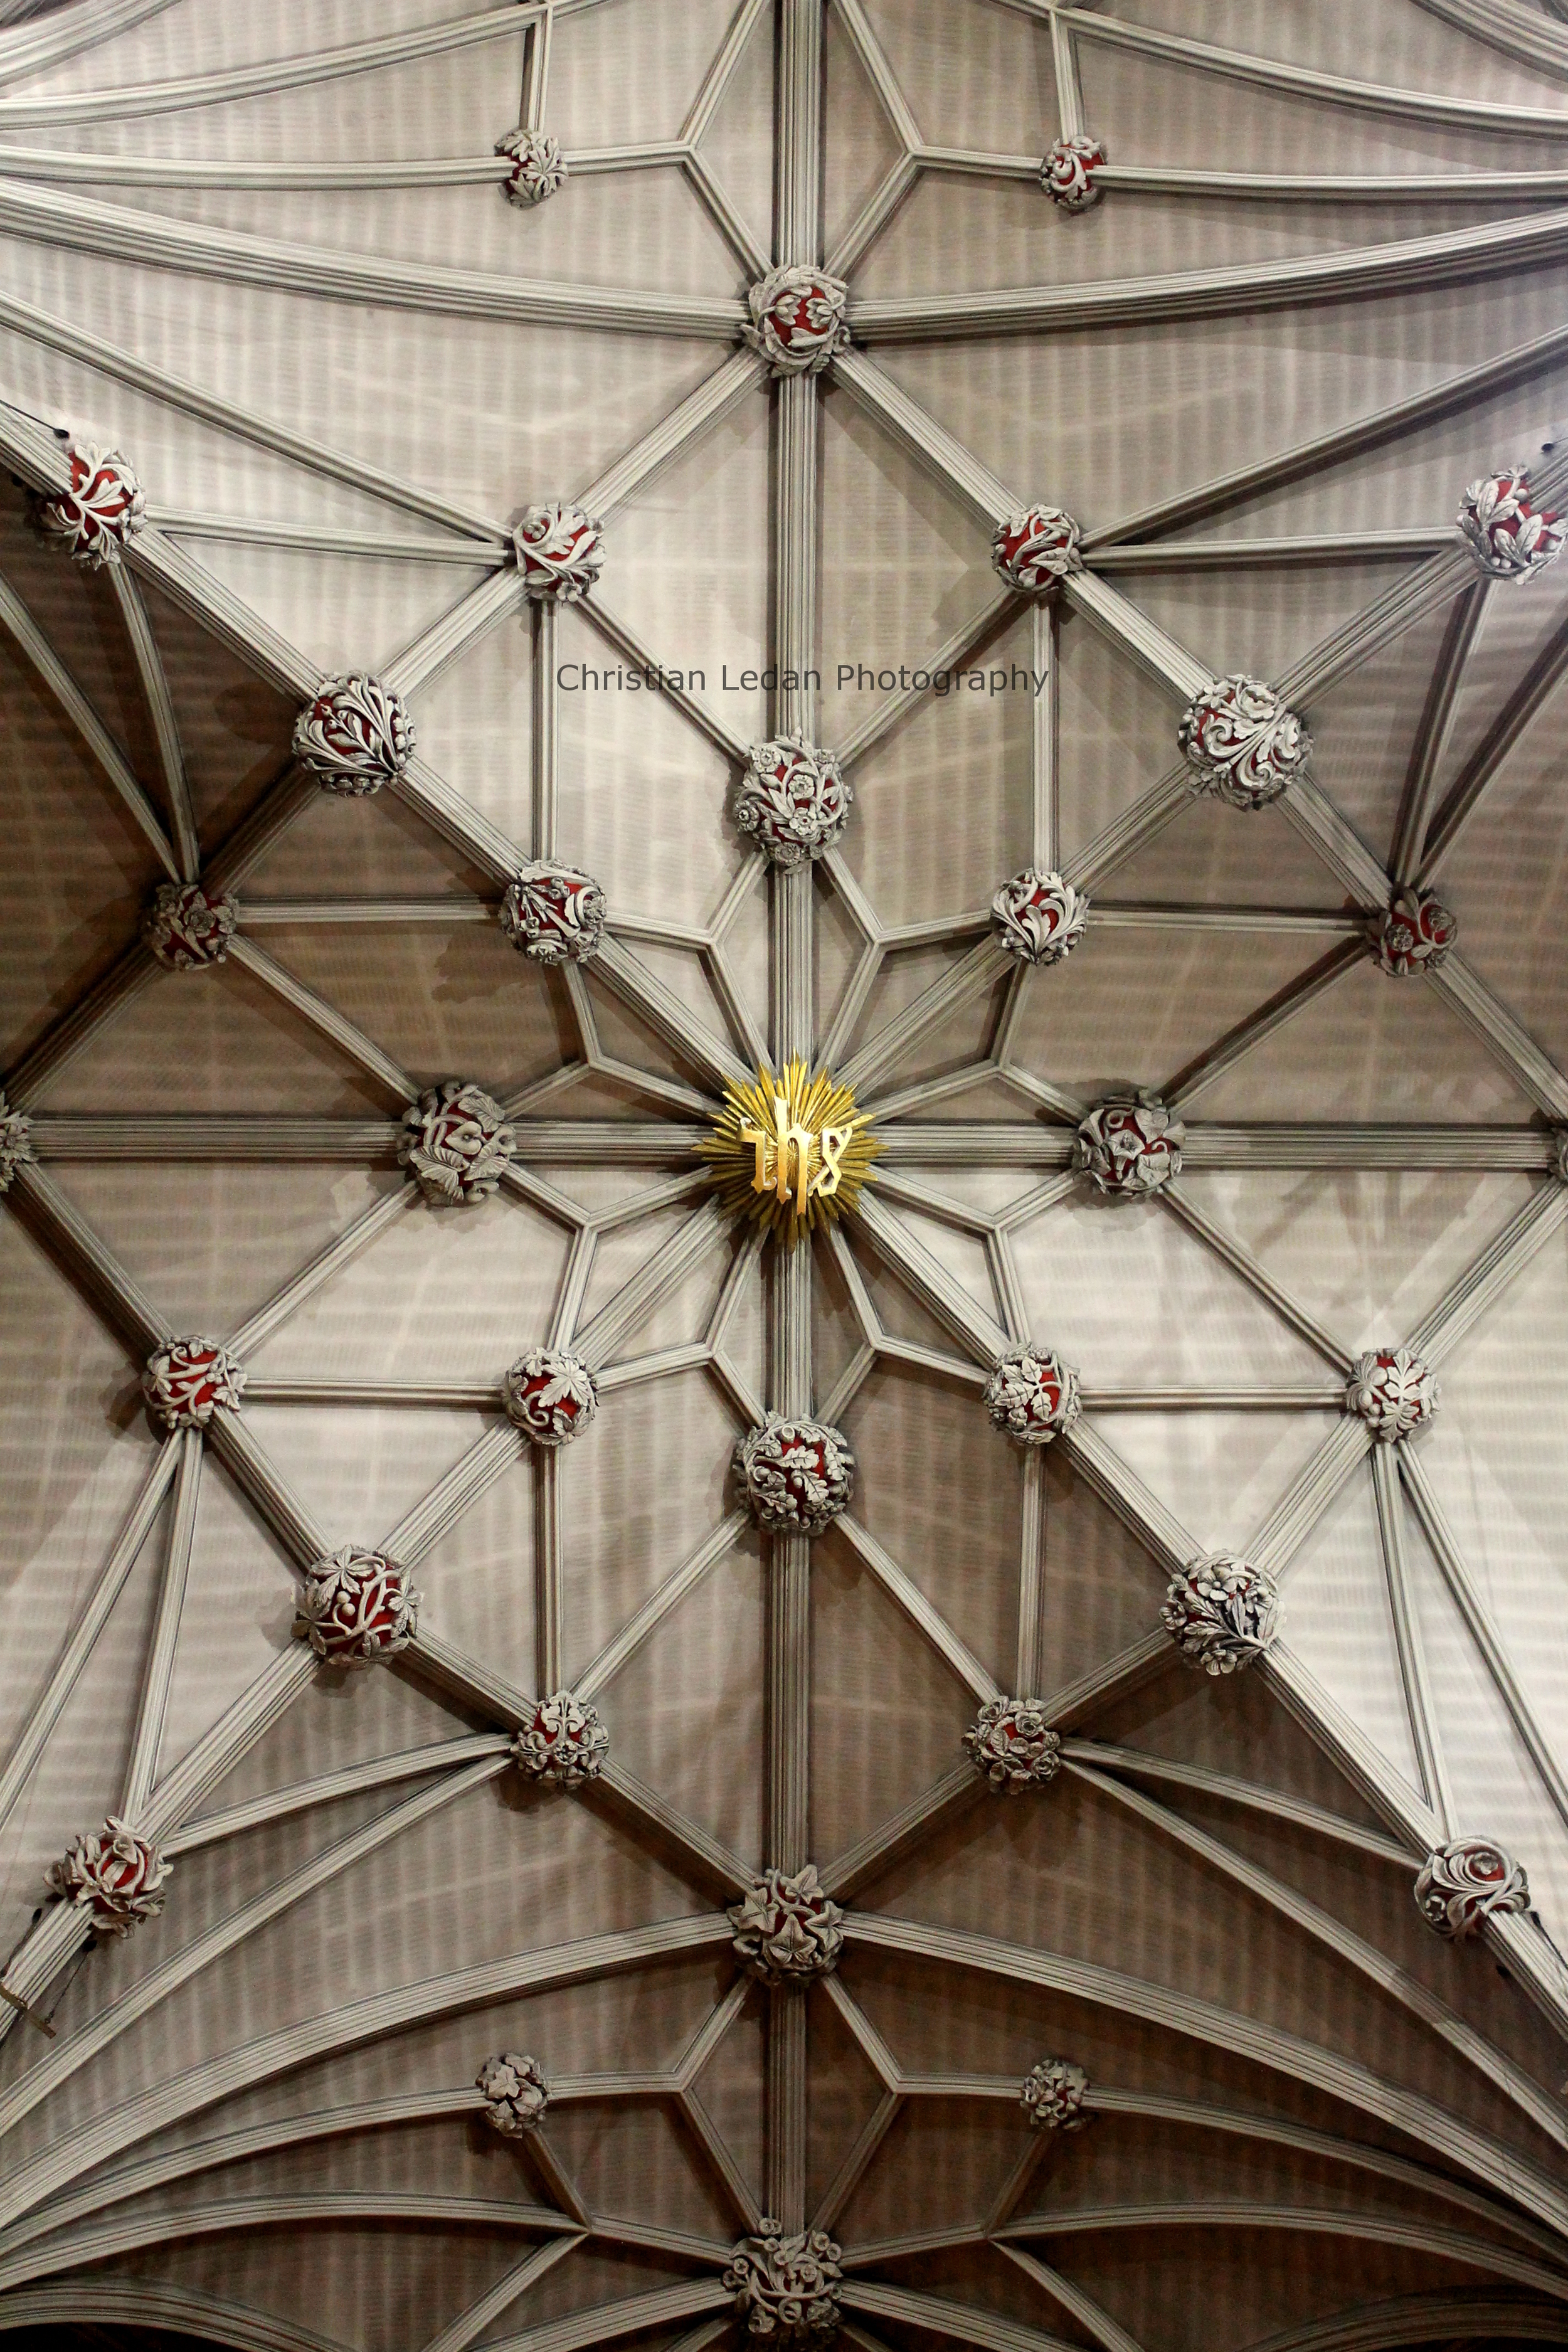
(451, 638)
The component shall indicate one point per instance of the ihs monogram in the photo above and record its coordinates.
(816, 1158)
(789, 1152)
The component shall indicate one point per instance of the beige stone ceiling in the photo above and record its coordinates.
(264, 252)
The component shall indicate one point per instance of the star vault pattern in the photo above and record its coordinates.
(784, 1966)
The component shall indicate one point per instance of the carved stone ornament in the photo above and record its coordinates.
(555, 913)
(1129, 1146)
(787, 1931)
(1559, 1148)
(1013, 1746)
(562, 1742)
(536, 169)
(560, 552)
(1243, 741)
(515, 2092)
(798, 1475)
(1068, 172)
(1034, 549)
(187, 926)
(1393, 1391)
(1414, 934)
(1032, 1396)
(1461, 1883)
(551, 1395)
(355, 736)
(15, 1142)
(104, 506)
(1039, 918)
(357, 1606)
(797, 320)
(113, 1873)
(1506, 535)
(1221, 1614)
(1053, 2095)
(787, 2289)
(456, 1143)
(187, 1379)
(794, 799)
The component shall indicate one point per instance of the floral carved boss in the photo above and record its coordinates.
(113, 1873)
(786, 2286)
(551, 1395)
(1466, 1881)
(186, 1381)
(515, 2092)
(787, 1931)
(563, 1743)
(794, 800)
(1068, 173)
(15, 1142)
(797, 1474)
(355, 736)
(797, 320)
(536, 170)
(357, 1607)
(1221, 1614)
(102, 507)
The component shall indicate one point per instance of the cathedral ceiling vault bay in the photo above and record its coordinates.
(969, 1748)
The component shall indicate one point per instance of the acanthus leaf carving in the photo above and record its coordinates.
(798, 319)
(1465, 1881)
(1068, 172)
(356, 1607)
(1508, 535)
(15, 1142)
(555, 914)
(1053, 2095)
(1035, 548)
(1413, 934)
(355, 735)
(103, 507)
(114, 1873)
(1243, 743)
(560, 551)
(1039, 918)
(551, 1395)
(1032, 1396)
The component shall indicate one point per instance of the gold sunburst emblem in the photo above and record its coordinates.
(790, 1153)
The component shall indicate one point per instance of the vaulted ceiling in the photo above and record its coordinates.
(266, 256)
